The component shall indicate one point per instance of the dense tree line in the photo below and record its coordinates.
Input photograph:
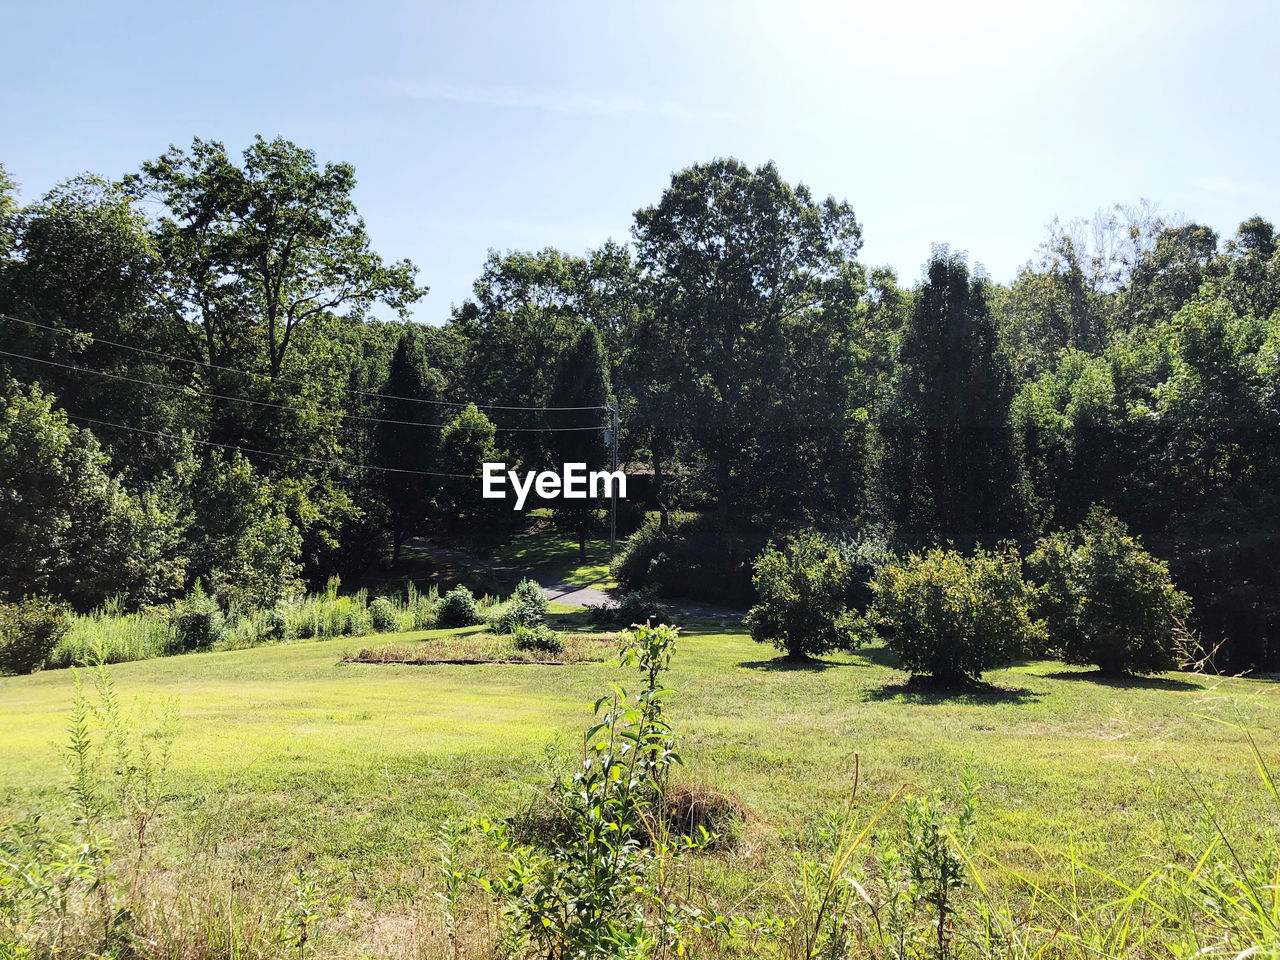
(203, 378)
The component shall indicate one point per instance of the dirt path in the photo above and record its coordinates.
(560, 591)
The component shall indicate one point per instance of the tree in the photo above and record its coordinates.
(950, 469)
(410, 386)
(244, 546)
(1107, 601)
(70, 529)
(263, 248)
(466, 444)
(952, 616)
(582, 382)
(801, 608)
(1169, 275)
(753, 284)
(85, 262)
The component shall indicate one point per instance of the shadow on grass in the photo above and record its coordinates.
(879, 655)
(927, 690)
(793, 664)
(1121, 681)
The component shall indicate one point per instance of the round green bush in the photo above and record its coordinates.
(458, 608)
(383, 615)
(199, 621)
(952, 616)
(802, 588)
(1107, 601)
(526, 608)
(29, 632)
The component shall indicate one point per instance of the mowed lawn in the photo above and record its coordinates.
(289, 758)
(554, 554)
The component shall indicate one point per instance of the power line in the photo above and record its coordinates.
(267, 403)
(268, 453)
(290, 380)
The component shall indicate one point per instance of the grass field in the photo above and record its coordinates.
(290, 759)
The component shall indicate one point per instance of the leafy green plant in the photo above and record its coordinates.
(30, 631)
(199, 620)
(953, 616)
(383, 615)
(458, 608)
(801, 608)
(541, 638)
(1107, 601)
(601, 892)
(527, 607)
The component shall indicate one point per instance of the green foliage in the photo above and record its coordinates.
(602, 890)
(410, 387)
(527, 607)
(109, 634)
(247, 547)
(383, 616)
(581, 381)
(1106, 600)
(693, 557)
(272, 243)
(30, 631)
(466, 444)
(754, 333)
(538, 637)
(953, 616)
(802, 589)
(199, 620)
(71, 530)
(950, 469)
(458, 608)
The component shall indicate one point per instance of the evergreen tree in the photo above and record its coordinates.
(581, 380)
(951, 470)
(406, 497)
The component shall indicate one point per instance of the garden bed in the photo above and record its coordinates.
(479, 648)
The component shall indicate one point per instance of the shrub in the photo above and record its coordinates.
(358, 622)
(526, 608)
(274, 626)
(633, 608)
(383, 615)
(802, 590)
(1107, 601)
(540, 638)
(199, 620)
(458, 608)
(953, 616)
(696, 558)
(29, 632)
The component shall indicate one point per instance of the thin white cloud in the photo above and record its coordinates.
(523, 98)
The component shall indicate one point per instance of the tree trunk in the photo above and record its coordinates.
(664, 521)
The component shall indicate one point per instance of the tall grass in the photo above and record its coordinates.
(109, 635)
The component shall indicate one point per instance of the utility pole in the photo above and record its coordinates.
(613, 503)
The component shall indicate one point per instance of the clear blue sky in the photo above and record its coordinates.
(485, 125)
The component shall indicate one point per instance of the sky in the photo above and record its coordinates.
(475, 126)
